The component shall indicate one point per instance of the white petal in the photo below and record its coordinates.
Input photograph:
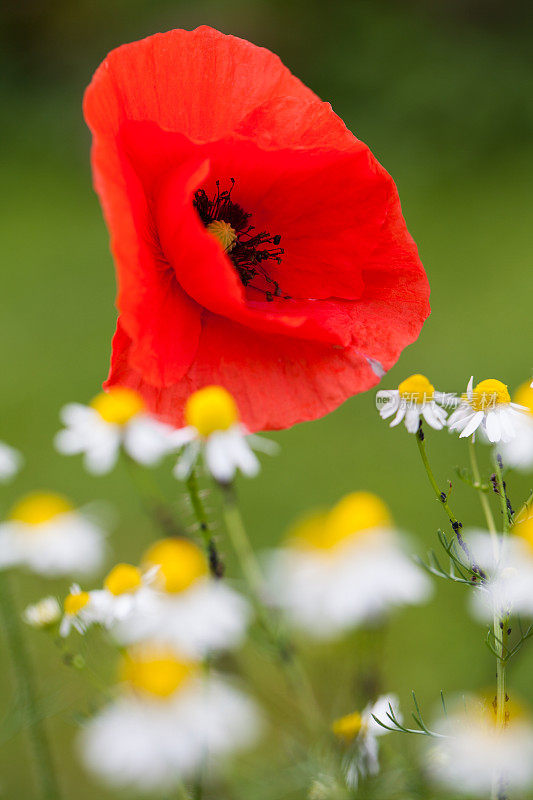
(187, 460)
(472, 425)
(147, 440)
(492, 427)
(219, 458)
(242, 454)
(10, 462)
(412, 419)
(399, 416)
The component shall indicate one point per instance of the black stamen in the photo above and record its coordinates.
(248, 253)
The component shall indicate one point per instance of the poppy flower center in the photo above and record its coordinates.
(249, 251)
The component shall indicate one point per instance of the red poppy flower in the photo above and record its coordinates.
(258, 244)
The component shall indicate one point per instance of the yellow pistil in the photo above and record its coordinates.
(74, 603)
(211, 409)
(416, 389)
(524, 396)
(348, 728)
(39, 507)
(357, 513)
(488, 394)
(154, 671)
(223, 233)
(180, 563)
(118, 405)
(123, 578)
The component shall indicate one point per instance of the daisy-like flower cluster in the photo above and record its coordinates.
(474, 756)
(168, 721)
(359, 733)
(47, 534)
(344, 567)
(170, 600)
(169, 718)
(118, 420)
(213, 428)
(486, 408)
(507, 562)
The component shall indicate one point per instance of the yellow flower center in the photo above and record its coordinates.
(416, 389)
(155, 671)
(211, 409)
(347, 728)
(224, 233)
(75, 602)
(357, 513)
(40, 507)
(488, 394)
(484, 708)
(180, 563)
(524, 396)
(123, 578)
(524, 529)
(118, 405)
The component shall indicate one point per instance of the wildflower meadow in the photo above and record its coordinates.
(266, 440)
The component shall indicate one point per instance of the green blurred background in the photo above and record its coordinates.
(441, 91)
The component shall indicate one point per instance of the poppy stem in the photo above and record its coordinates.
(42, 756)
(296, 675)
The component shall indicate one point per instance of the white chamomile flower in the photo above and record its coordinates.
(475, 756)
(114, 419)
(507, 564)
(124, 594)
(43, 614)
(214, 431)
(10, 462)
(518, 452)
(359, 733)
(343, 568)
(413, 400)
(78, 612)
(185, 609)
(170, 722)
(487, 407)
(47, 535)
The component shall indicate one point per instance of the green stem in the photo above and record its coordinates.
(482, 496)
(42, 757)
(500, 638)
(215, 562)
(153, 500)
(440, 495)
(296, 676)
(502, 494)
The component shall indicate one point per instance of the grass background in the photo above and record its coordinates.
(441, 91)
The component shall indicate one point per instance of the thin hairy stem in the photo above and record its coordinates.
(48, 787)
(215, 562)
(484, 500)
(152, 499)
(442, 497)
(504, 500)
(296, 676)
